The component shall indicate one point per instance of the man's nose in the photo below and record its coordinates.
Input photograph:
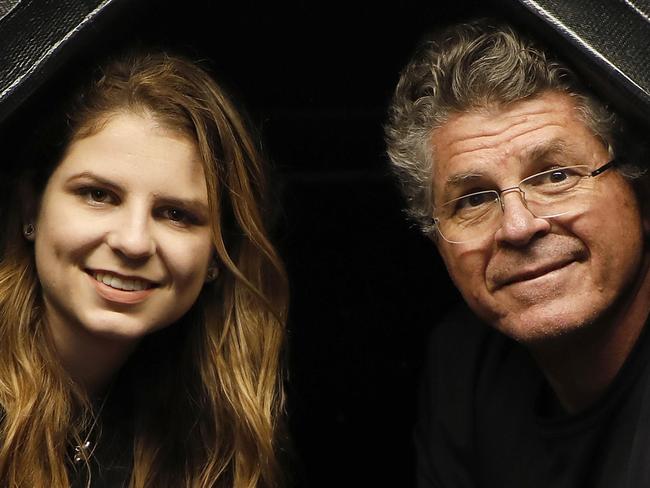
(518, 225)
(131, 235)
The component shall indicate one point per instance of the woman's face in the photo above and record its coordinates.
(123, 237)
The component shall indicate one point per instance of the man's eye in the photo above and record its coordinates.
(474, 200)
(557, 176)
(555, 180)
(472, 206)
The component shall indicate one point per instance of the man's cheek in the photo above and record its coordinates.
(470, 282)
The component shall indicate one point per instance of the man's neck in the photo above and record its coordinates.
(580, 369)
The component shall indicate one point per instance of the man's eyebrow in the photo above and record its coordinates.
(544, 149)
(460, 179)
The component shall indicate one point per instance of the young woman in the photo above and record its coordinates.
(142, 305)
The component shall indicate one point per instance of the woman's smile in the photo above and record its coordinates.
(122, 282)
(123, 290)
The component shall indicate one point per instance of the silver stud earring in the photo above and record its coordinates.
(28, 231)
(212, 274)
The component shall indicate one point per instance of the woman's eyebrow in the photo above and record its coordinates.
(95, 178)
(192, 204)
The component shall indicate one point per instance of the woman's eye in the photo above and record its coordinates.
(97, 195)
(177, 215)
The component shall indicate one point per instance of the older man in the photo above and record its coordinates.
(535, 203)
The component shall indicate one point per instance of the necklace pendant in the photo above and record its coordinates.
(82, 452)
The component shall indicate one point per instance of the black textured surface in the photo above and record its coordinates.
(7, 6)
(36, 37)
(608, 40)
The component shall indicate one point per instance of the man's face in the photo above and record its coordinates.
(536, 278)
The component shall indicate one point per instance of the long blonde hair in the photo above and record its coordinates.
(209, 415)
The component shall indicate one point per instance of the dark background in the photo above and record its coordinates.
(366, 287)
(315, 79)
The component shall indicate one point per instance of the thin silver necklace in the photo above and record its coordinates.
(85, 450)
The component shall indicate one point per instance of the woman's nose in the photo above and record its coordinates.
(131, 235)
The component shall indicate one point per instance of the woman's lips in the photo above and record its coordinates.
(140, 289)
(122, 282)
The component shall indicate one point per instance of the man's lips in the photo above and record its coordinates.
(552, 252)
(530, 273)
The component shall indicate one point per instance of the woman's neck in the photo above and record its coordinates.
(90, 360)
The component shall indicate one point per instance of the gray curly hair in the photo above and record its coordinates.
(468, 66)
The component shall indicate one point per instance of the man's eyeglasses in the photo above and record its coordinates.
(551, 193)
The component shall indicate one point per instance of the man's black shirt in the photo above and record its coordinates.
(489, 419)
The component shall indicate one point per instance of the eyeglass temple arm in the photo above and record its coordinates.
(604, 167)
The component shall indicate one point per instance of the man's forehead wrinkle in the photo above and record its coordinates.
(525, 113)
(544, 149)
(469, 145)
(470, 125)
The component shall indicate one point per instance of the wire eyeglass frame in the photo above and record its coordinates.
(498, 194)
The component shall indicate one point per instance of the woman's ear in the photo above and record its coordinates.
(213, 270)
(29, 231)
(29, 210)
(212, 273)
